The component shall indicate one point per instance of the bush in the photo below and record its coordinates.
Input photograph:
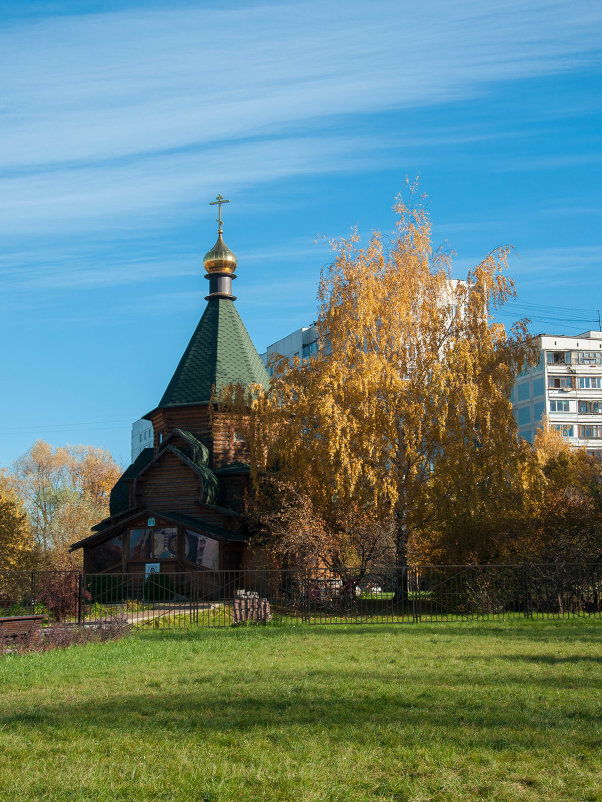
(158, 587)
(59, 592)
(61, 636)
(105, 588)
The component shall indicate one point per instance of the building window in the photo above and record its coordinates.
(201, 550)
(590, 407)
(538, 387)
(524, 415)
(590, 432)
(522, 391)
(559, 406)
(590, 382)
(565, 429)
(558, 357)
(310, 349)
(587, 358)
(561, 382)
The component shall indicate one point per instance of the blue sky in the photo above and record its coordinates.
(121, 121)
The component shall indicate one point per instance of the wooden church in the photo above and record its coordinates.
(178, 507)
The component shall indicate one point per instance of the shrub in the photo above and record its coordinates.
(60, 593)
(105, 588)
(158, 587)
(61, 636)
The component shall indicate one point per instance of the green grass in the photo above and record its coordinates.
(494, 711)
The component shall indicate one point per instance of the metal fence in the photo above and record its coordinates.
(310, 596)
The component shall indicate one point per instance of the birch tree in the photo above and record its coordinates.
(404, 412)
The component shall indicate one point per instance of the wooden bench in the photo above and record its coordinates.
(16, 626)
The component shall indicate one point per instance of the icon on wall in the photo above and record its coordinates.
(151, 568)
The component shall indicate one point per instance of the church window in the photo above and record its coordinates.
(165, 544)
(202, 550)
(140, 546)
(106, 555)
(153, 544)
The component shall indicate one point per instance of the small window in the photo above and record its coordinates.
(559, 406)
(558, 357)
(590, 432)
(561, 382)
(587, 358)
(565, 429)
(590, 382)
(590, 407)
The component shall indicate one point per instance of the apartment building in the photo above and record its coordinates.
(565, 385)
(142, 437)
(302, 343)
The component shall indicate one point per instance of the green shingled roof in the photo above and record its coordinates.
(219, 353)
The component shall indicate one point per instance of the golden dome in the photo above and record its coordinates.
(220, 258)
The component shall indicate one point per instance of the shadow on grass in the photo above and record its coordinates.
(550, 659)
(585, 630)
(464, 707)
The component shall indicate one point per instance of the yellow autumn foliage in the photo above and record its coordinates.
(404, 413)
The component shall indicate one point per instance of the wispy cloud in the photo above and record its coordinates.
(96, 196)
(125, 114)
(556, 265)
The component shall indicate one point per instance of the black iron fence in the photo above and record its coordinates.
(311, 596)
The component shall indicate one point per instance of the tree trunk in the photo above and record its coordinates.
(401, 564)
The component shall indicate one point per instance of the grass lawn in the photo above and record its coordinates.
(495, 711)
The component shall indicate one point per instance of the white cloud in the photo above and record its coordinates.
(105, 86)
(99, 195)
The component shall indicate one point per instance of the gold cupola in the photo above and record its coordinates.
(220, 259)
(220, 262)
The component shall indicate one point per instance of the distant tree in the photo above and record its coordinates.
(17, 551)
(565, 523)
(404, 413)
(64, 491)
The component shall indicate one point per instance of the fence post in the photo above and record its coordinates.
(79, 598)
(32, 599)
(526, 588)
(308, 595)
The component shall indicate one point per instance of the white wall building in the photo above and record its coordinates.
(566, 385)
(142, 436)
(302, 343)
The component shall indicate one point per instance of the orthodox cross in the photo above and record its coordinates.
(218, 202)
